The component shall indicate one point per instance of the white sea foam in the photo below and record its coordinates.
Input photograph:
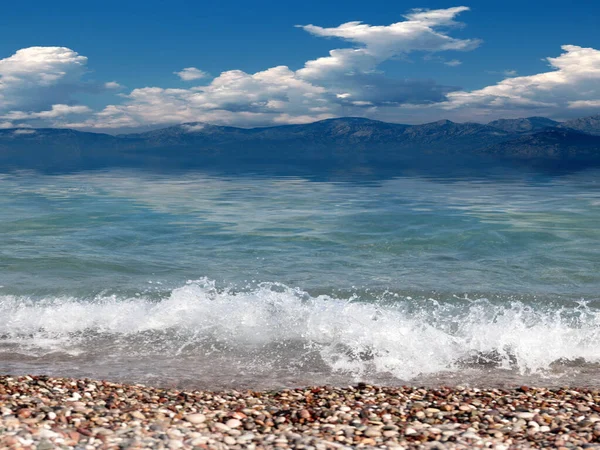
(404, 339)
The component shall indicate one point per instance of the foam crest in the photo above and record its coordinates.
(404, 338)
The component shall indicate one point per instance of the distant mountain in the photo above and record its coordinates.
(342, 131)
(325, 145)
(450, 137)
(589, 125)
(345, 132)
(525, 125)
(326, 133)
(189, 134)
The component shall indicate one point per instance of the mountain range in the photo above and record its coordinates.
(328, 144)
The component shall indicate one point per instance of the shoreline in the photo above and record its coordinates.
(42, 413)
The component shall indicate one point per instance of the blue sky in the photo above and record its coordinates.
(112, 65)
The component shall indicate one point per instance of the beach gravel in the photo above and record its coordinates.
(44, 413)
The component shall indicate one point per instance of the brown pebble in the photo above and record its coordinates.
(24, 413)
(81, 413)
(304, 414)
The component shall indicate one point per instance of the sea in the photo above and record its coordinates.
(259, 281)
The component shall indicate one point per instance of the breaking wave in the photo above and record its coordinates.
(272, 325)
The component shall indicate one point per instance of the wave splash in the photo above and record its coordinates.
(275, 324)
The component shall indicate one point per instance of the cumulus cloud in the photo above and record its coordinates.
(55, 112)
(234, 97)
(37, 84)
(573, 82)
(191, 74)
(375, 44)
(354, 70)
(344, 83)
(38, 77)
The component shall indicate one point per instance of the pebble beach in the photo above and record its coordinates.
(44, 413)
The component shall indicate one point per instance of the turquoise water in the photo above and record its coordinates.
(212, 281)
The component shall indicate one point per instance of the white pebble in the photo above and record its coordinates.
(195, 418)
(174, 444)
(233, 423)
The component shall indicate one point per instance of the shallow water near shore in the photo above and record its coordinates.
(197, 280)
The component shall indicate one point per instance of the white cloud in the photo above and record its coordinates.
(436, 17)
(286, 119)
(55, 112)
(37, 84)
(191, 74)
(234, 97)
(6, 125)
(194, 128)
(375, 44)
(573, 82)
(21, 132)
(343, 83)
(37, 77)
(582, 104)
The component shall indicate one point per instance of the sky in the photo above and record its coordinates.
(120, 66)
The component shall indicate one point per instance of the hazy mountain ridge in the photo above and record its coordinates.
(343, 142)
(331, 132)
(524, 125)
(589, 125)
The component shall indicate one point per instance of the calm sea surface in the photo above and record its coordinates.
(207, 281)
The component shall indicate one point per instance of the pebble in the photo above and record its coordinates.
(138, 415)
(222, 427)
(174, 444)
(233, 423)
(47, 413)
(195, 418)
(229, 440)
(372, 432)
